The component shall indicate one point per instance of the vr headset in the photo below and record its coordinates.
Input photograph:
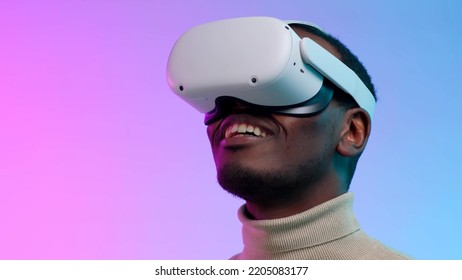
(262, 62)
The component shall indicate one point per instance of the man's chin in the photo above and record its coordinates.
(258, 186)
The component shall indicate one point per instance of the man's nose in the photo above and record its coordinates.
(226, 106)
(232, 105)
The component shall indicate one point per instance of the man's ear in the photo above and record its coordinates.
(355, 132)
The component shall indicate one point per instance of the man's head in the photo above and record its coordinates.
(286, 119)
(292, 156)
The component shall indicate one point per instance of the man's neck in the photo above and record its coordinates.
(297, 204)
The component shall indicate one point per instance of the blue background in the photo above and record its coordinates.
(101, 161)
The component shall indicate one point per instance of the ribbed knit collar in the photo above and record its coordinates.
(326, 222)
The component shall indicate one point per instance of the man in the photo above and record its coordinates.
(294, 171)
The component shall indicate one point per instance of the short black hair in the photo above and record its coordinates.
(346, 56)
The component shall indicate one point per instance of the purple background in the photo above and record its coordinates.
(99, 160)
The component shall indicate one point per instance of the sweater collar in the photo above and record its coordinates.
(326, 222)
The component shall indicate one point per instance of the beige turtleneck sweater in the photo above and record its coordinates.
(326, 232)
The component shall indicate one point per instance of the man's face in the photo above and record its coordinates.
(263, 157)
(268, 156)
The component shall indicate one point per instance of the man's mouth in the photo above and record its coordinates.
(243, 129)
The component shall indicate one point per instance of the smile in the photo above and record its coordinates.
(243, 129)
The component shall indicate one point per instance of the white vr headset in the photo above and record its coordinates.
(260, 61)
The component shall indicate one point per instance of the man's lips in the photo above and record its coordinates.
(243, 129)
(246, 127)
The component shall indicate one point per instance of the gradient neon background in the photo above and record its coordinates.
(99, 160)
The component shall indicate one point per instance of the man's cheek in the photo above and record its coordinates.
(209, 132)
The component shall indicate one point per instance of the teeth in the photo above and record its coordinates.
(242, 128)
(257, 131)
(239, 130)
